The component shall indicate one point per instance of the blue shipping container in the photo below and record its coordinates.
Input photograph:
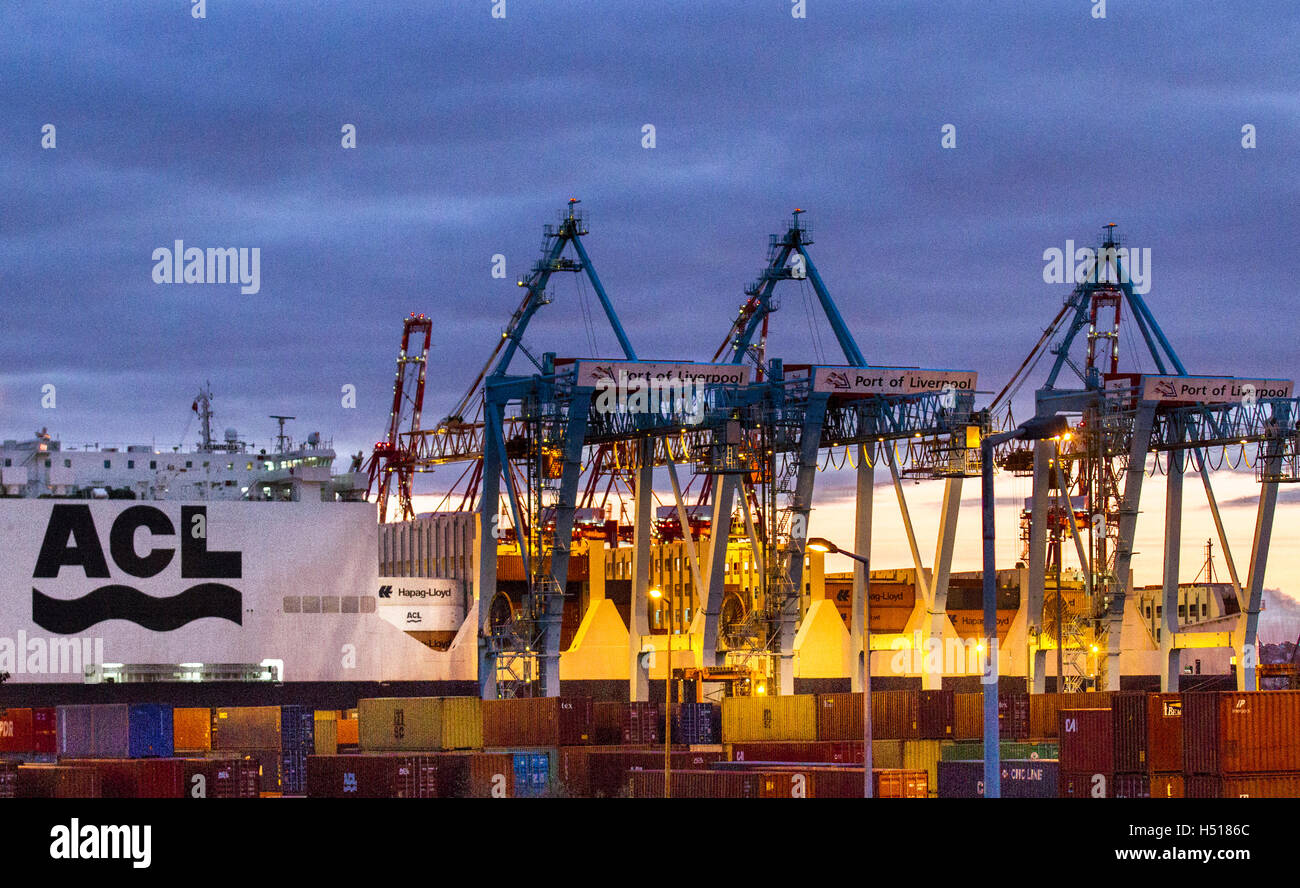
(150, 727)
(696, 723)
(532, 774)
(297, 741)
(1021, 779)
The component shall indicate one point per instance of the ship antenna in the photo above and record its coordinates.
(281, 438)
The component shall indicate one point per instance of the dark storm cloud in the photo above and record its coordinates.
(472, 132)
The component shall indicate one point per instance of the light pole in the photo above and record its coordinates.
(1034, 429)
(820, 544)
(668, 683)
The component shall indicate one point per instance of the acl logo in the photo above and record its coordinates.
(71, 540)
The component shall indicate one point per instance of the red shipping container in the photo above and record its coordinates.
(1013, 716)
(826, 782)
(221, 779)
(16, 731)
(1243, 786)
(44, 731)
(1086, 741)
(695, 785)
(137, 778)
(1241, 732)
(641, 723)
(1148, 730)
(607, 723)
(934, 715)
(57, 782)
(538, 721)
(1130, 786)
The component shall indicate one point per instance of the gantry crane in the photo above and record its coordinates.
(1122, 418)
(393, 458)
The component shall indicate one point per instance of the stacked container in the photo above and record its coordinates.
(538, 721)
(137, 730)
(1148, 730)
(251, 733)
(1021, 779)
(297, 741)
(697, 724)
(1087, 751)
(192, 730)
(1241, 744)
(642, 723)
(28, 732)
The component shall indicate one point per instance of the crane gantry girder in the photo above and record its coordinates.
(1125, 417)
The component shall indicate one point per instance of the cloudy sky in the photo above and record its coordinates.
(472, 131)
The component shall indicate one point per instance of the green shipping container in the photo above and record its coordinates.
(1011, 750)
(327, 737)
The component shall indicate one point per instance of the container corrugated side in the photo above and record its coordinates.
(191, 729)
(538, 721)
(148, 778)
(607, 722)
(8, 779)
(934, 715)
(1243, 786)
(348, 730)
(769, 718)
(1168, 786)
(694, 785)
(924, 755)
(1021, 779)
(1164, 733)
(57, 782)
(893, 716)
(462, 723)
(246, 727)
(1009, 750)
(1241, 732)
(968, 717)
(94, 731)
(1085, 785)
(16, 731)
(607, 769)
(400, 724)
(149, 731)
(326, 738)
(1043, 709)
(1086, 740)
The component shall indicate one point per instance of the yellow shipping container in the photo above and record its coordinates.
(192, 729)
(400, 723)
(924, 755)
(327, 715)
(327, 736)
(887, 754)
(746, 719)
(462, 723)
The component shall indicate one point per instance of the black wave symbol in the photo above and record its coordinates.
(116, 602)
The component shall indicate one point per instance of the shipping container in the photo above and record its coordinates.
(1086, 740)
(365, 776)
(894, 716)
(694, 784)
(538, 721)
(400, 724)
(192, 729)
(149, 778)
(1085, 785)
(1235, 732)
(8, 779)
(1021, 779)
(1168, 786)
(924, 755)
(642, 723)
(886, 783)
(532, 774)
(606, 769)
(246, 727)
(1043, 709)
(227, 778)
(1148, 732)
(325, 737)
(16, 731)
(607, 723)
(885, 754)
(697, 723)
(901, 784)
(121, 730)
(490, 775)
(1244, 786)
(348, 730)
(462, 723)
(57, 782)
(266, 763)
(934, 715)
(769, 718)
(1009, 750)
(1013, 716)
